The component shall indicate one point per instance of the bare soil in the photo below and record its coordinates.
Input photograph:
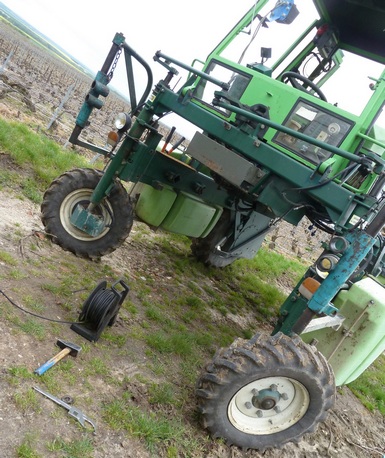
(350, 431)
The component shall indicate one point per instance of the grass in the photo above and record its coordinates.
(30, 326)
(369, 387)
(19, 372)
(27, 401)
(27, 448)
(271, 266)
(7, 258)
(41, 159)
(162, 393)
(154, 428)
(80, 448)
(96, 366)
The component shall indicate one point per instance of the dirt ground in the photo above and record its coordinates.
(350, 430)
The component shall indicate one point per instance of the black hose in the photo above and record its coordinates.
(323, 183)
(377, 223)
(28, 312)
(95, 310)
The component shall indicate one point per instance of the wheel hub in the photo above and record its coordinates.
(75, 219)
(268, 405)
(266, 399)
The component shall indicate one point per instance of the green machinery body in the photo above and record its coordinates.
(268, 147)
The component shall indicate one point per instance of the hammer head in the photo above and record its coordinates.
(75, 349)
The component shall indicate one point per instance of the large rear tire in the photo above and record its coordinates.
(208, 249)
(265, 392)
(74, 188)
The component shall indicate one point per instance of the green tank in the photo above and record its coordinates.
(179, 213)
(361, 337)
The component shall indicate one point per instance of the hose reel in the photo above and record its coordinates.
(100, 309)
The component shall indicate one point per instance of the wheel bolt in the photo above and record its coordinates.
(255, 392)
(274, 387)
(284, 396)
(259, 413)
(248, 405)
(277, 409)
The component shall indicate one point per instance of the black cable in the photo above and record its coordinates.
(311, 56)
(323, 183)
(35, 314)
(321, 224)
(95, 310)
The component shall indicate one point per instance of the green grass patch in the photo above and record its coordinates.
(18, 373)
(369, 386)
(96, 366)
(33, 304)
(7, 258)
(32, 327)
(26, 448)
(162, 393)
(270, 266)
(177, 343)
(155, 429)
(80, 448)
(43, 158)
(27, 401)
(118, 340)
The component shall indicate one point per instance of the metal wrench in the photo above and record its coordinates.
(73, 411)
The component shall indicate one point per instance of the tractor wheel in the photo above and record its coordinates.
(265, 392)
(75, 188)
(206, 249)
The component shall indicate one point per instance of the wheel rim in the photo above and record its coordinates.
(268, 405)
(82, 197)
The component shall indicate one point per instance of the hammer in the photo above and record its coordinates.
(68, 348)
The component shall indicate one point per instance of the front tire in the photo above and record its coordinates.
(265, 392)
(74, 188)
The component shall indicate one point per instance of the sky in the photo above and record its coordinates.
(184, 31)
(85, 28)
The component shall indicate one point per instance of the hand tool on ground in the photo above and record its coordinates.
(73, 411)
(68, 348)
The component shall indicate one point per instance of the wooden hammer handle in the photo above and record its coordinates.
(51, 362)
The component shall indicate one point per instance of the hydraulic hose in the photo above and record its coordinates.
(377, 224)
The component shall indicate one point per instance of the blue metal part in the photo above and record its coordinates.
(99, 87)
(266, 399)
(87, 222)
(360, 244)
(281, 12)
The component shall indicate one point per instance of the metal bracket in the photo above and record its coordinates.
(334, 322)
(87, 222)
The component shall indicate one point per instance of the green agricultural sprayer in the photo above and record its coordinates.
(288, 117)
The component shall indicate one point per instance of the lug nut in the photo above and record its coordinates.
(284, 396)
(274, 387)
(248, 405)
(277, 409)
(255, 392)
(259, 413)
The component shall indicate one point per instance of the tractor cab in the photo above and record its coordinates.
(319, 73)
